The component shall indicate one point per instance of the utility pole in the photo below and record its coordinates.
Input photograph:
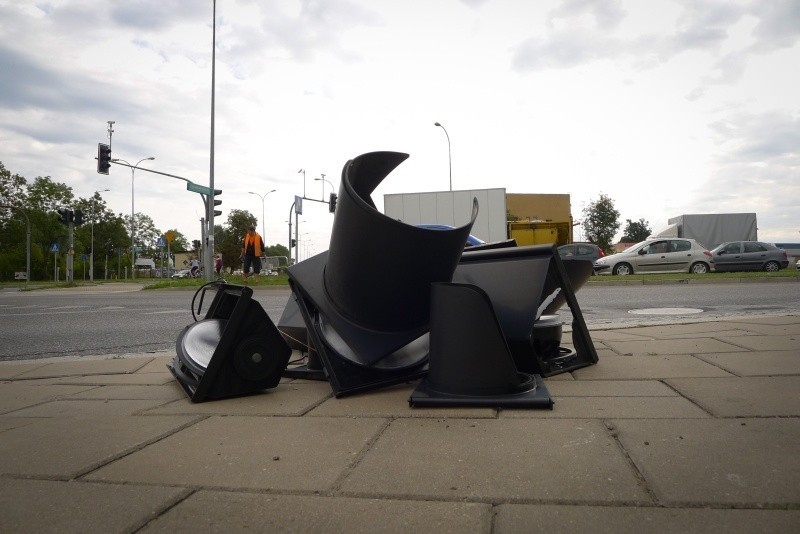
(71, 252)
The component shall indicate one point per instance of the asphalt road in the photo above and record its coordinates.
(114, 319)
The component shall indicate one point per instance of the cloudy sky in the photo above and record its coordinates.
(667, 106)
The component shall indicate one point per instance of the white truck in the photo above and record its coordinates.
(711, 229)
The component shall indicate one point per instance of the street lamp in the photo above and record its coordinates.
(449, 158)
(323, 180)
(94, 215)
(133, 216)
(262, 197)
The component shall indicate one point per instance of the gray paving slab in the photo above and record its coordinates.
(18, 395)
(239, 512)
(497, 460)
(556, 519)
(57, 506)
(732, 462)
(267, 453)
(609, 388)
(767, 342)
(656, 347)
(158, 364)
(87, 408)
(754, 320)
(648, 367)
(291, 398)
(613, 407)
(699, 440)
(691, 330)
(66, 447)
(757, 363)
(391, 402)
(85, 367)
(163, 392)
(10, 370)
(144, 379)
(773, 396)
(616, 335)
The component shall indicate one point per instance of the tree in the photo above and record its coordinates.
(230, 245)
(635, 231)
(179, 241)
(601, 222)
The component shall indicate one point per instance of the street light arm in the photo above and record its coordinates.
(449, 157)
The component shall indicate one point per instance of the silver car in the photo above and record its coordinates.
(658, 255)
(749, 256)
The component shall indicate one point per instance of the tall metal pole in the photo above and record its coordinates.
(263, 225)
(296, 235)
(304, 180)
(449, 158)
(290, 232)
(323, 180)
(133, 213)
(209, 251)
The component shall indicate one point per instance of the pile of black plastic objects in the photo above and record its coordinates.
(477, 328)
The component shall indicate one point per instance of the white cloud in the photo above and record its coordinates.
(668, 106)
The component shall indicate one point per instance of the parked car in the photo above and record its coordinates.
(183, 273)
(471, 239)
(749, 256)
(580, 251)
(658, 255)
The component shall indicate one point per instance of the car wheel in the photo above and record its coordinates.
(772, 267)
(699, 268)
(622, 269)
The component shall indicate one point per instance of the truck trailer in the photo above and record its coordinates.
(712, 229)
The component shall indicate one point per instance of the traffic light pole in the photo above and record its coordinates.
(71, 253)
(209, 203)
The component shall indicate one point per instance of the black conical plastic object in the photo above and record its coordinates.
(366, 301)
(470, 363)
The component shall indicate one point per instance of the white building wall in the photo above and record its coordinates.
(453, 208)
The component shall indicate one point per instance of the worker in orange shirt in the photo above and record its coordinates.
(252, 248)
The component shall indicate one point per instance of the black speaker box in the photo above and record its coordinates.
(234, 350)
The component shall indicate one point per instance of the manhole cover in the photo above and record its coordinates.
(666, 311)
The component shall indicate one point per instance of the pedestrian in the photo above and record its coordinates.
(251, 250)
(195, 268)
(218, 264)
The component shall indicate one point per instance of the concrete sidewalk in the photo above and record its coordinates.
(679, 428)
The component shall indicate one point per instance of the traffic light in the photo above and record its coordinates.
(109, 249)
(294, 243)
(65, 216)
(332, 203)
(217, 192)
(196, 244)
(78, 217)
(103, 158)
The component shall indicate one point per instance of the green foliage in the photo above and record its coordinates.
(179, 242)
(277, 250)
(103, 231)
(601, 222)
(635, 231)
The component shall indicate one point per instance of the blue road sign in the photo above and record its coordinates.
(161, 243)
(54, 247)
